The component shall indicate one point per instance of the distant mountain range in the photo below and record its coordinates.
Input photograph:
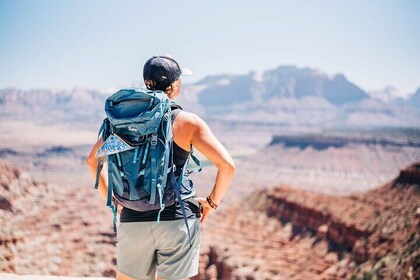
(287, 96)
(80, 105)
(298, 97)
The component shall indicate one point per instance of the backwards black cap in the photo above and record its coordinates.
(161, 71)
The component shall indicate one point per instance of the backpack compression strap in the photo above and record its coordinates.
(181, 202)
(109, 203)
(178, 183)
(154, 140)
(197, 162)
(168, 142)
(153, 143)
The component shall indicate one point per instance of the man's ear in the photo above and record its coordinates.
(169, 90)
(172, 90)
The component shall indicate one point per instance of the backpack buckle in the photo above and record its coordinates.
(153, 141)
(166, 116)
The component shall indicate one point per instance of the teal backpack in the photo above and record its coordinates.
(138, 147)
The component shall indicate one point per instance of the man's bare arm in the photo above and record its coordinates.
(204, 140)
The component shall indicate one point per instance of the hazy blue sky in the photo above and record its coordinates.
(105, 43)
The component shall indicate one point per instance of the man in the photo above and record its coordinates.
(147, 249)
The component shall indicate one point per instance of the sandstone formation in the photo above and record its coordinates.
(283, 233)
(278, 233)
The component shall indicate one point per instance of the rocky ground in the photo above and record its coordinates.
(9, 276)
(280, 233)
(284, 233)
(52, 229)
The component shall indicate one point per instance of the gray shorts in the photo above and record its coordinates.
(149, 249)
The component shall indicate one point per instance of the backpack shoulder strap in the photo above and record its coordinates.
(174, 105)
(175, 110)
(102, 128)
(175, 114)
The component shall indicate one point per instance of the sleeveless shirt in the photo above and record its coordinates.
(174, 211)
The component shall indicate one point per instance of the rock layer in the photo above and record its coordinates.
(53, 230)
(279, 233)
(375, 233)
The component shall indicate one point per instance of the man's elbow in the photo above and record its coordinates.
(228, 166)
(90, 161)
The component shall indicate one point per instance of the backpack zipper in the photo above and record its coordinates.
(114, 103)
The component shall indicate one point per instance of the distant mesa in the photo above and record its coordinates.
(409, 176)
(322, 141)
(58, 150)
(8, 152)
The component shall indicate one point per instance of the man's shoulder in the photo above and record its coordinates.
(188, 117)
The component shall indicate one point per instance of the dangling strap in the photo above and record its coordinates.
(162, 185)
(197, 161)
(112, 206)
(153, 142)
(100, 162)
(162, 206)
(109, 197)
(168, 142)
(98, 172)
(114, 209)
(181, 203)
